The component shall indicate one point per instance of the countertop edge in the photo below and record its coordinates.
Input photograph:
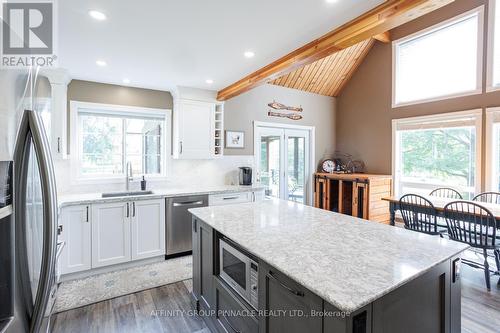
(327, 298)
(155, 195)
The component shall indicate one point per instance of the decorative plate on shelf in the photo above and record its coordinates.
(328, 165)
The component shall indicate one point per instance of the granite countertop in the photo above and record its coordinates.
(347, 261)
(81, 199)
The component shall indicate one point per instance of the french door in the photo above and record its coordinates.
(283, 159)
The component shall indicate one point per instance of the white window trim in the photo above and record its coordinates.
(312, 151)
(491, 154)
(491, 47)
(76, 178)
(479, 74)
(476, 113)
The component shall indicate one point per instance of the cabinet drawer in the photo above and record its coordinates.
(230, 198)
(232, 315)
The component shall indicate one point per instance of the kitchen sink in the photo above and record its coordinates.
(126, 194)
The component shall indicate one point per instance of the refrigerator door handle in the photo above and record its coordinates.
(32, 130)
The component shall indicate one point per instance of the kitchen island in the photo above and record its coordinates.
(320, 271)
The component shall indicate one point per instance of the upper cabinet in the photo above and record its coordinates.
(59, 80)
(197, 126)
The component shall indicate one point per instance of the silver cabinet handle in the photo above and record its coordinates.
(188, 203)
(87, 214)
(133, 209)
(59, 145)
(128, 210)
(230, 198)
(293, 291)
(180, 147)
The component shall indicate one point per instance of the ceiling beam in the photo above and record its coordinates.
(379, 20)
(384, 37)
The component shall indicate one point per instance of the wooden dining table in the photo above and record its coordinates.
(439, 204)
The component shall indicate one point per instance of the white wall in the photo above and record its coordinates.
(199, 173)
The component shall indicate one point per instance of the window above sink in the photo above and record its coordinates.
(104, 138)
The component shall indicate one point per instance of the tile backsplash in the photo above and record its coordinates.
(183, 173)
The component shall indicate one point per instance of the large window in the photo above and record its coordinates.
(437, 151)
(493, 149)
(107, 138)
(494, 46)
(440, 62)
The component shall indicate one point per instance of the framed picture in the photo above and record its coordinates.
(235, 139)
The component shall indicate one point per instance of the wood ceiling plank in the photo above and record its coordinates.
(343, 64)
(318, 75)
(384, 17)
(327, 72)
(337, 69)
(359, 60)
(314, 73)
(307, 76)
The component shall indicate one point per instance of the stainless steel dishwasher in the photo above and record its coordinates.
(178, 236)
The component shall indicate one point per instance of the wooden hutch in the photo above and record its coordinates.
(354, 194)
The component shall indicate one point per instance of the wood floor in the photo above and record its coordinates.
(166, 309)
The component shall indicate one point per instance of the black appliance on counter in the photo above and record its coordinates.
(245, 176)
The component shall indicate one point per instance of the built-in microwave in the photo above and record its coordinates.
(239, 271)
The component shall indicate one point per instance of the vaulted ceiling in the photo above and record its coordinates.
(329, 75)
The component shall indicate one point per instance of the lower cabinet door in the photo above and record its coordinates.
(76, 229)
(231, 313)
(148, 228)
(110, 233)
(280, 295)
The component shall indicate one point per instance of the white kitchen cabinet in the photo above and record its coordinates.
(76, 233)
(148, 228)
(111, 233)
(258, 195)
(234, 198)
(194, 130)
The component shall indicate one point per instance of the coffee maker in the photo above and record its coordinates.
(245, 176)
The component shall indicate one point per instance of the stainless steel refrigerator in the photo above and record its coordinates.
(33, 244)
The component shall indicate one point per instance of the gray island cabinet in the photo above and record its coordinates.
(317, 271)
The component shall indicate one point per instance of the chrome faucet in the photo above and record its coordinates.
(129, 176)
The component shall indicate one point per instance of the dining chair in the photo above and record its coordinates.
(489, 197)
(446, 192)
(469, 222)
(419, 214)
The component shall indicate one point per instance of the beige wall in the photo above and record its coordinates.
(85, 91)
(319, 111)
(364, 107)
(94, 92)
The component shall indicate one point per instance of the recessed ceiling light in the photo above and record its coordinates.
(249, 54)
(209, 81)
(95, 14)
(126, 81)
(101, 63)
